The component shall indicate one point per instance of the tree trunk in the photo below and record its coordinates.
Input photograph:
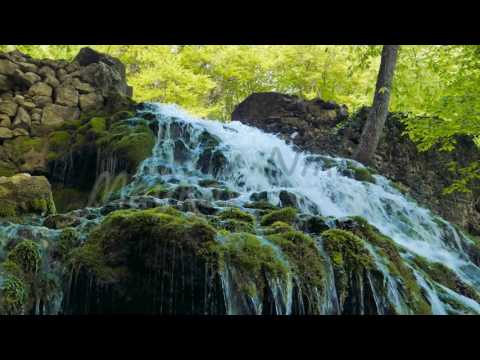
(378, 113)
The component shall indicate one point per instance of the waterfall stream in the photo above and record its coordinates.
(249, 161)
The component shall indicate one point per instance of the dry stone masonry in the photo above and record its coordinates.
(45, 93)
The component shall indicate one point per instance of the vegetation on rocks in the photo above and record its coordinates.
(286, 215)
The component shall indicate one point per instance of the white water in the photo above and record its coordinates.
(257, 161)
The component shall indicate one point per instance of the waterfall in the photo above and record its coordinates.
(248, 162)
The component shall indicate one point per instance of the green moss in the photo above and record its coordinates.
(125, 233)
(67, 241)
(443, 275)
(236, 226)
(8, 210)
(67, 199)
(159, 191)
(360, 174)
(305, 260)
(209, 183)
(278, 227)
(132, 142)
(58, 144)
(286, 215)
(13, 296)
(251, 259)
(236, 214)
(26, 254)
(390, 254)
(98, 124)
(261, 205)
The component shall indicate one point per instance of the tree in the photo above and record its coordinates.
(378, 113)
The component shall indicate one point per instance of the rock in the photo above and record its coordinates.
(72, 67)
(61, 221)
(200, 206)
(8, 107)
(259, 196)
(82, 87)
(224, 194)
(54, 115)
(29, 105)
(24, 194)
(90, 102)
(25, 79)
(5, 83)
(22, 119)
(7, 67)
(61, 74)
(47, 71)
(40, 89)
(52, 81)
(20, 132)
(42, 101)
(287, 199)
(5, 121)
(5, 133)
(28, 67)
(36, 117)
(66, 95)
(104, 72)
(19, 99)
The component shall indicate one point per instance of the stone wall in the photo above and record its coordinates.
(38, 97)
(325, 127)
(45, 93)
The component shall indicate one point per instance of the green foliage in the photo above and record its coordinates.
(27, 256)
(286, 215)
(436, 85)
(236, 214)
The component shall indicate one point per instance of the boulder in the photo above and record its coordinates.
(61, 221)
(5, 133)
(20, 132)
(42, 101)
(7, 67)
(22, 119)
(47, 71)
(66, 95)
(40, 89)
(8, 107)
(90, 102)
(24, 194)
(28, 67)
(5, 121)
(55, 115)
(52, 81)
(25, 79)
(5, 83)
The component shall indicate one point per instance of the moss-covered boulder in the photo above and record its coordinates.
(147, 261)
(24, 194)
(286, 215)
(307, 265)
(354, 264)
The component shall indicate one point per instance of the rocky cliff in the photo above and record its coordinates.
(325, 127)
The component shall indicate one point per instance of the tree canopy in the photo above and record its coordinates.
(436, 85)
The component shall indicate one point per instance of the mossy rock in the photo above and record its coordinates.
(58, 144)
(27, 255)
(13, 295)
(260, 205)
(359, 173)
(278, 227)
(390, 254)
(236, 214)
(209, 183)
(251, 260)
(306, 263)
(235, 226)
(287, 215)
(133, 255)
(24, 194)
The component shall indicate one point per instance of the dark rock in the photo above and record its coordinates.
(61, 221)
(224, 194)
(288, 199)
(259, 196)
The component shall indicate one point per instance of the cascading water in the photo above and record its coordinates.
(249, 162)
(253, 161)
